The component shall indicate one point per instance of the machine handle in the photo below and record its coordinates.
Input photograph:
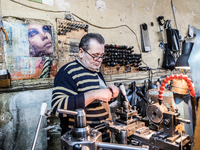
(69, 112)
(79, 116)
(42, 112)
(123, 92)
(43, 109)
(183, 120)
(115, 146)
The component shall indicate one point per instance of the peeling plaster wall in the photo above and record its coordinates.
(113, 13)
(20, 111)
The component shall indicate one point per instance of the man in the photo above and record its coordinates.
(79, 85)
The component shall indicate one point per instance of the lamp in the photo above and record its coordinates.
(182, 61)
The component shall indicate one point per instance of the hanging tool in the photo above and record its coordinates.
(161, 22)
(146, 46)
(43, 109)
(1, 28)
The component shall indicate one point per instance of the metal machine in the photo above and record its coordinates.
(130, 131)
(82, 137)
(167, 137)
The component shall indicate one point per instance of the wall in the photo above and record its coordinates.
(113, 19)
(19, 126)
(131, 13)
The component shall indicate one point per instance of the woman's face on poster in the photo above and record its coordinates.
(40, 39)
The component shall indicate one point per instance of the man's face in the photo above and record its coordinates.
(95, 49)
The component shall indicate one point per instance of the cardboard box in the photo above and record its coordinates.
(4, 78)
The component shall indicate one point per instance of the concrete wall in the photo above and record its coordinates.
(20, 110)
(21, 119)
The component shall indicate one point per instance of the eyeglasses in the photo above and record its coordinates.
(94, 57)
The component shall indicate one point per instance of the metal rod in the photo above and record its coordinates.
(37, 132)
(99, 125)
(100, 128)
(63, 111)
(119, 146)
(42, 112)
(183, 120)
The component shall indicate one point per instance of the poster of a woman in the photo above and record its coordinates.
(30, 54)
(40, 40)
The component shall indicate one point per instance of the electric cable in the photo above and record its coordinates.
(38, 8)
(52, 11)
(100, 27)
(81, 20)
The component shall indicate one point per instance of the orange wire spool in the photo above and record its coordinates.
(176, 76)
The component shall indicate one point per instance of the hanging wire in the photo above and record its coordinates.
(100, 27)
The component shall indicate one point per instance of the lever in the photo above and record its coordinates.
(63, 111)
(123, 92)
(79, 116)
(183, 120)
(42, 111)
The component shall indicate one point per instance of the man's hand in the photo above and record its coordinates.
(115, 90)
(101, 94)
(104, 95)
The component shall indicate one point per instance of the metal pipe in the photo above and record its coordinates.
(119, 146)
(43, 109)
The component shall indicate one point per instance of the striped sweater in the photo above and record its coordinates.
(70, 84)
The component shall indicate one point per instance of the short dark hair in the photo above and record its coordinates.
(85, 40)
